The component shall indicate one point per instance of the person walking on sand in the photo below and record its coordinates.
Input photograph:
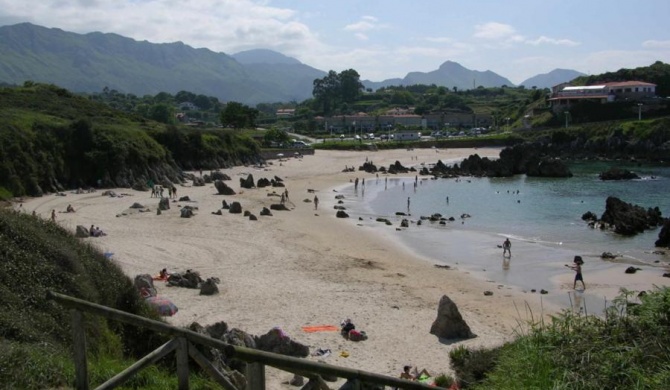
(408, 205)
(507, 247)
(316, 202)
(577, 267)
(53, 215)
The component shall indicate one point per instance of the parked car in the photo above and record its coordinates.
(300, 144)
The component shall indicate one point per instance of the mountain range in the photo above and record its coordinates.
(93, 61)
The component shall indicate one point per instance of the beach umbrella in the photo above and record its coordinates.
(163, 306)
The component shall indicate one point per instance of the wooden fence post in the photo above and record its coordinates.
(182, 363)
(79, 344)
(255, 376)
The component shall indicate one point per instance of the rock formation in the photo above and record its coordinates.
(449, 323)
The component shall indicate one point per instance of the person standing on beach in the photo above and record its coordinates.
(408, 205)
(316, 202)
(577, 267)
(53, 215)
(507, 247)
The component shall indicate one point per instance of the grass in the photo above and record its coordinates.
(627, 347)
(35, 334)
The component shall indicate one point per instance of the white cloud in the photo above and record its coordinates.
(542, 39)
(439, 39)
(220, 25)
(363, 25)
(652, 44)
(494, 30)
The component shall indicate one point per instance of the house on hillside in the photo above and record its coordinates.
(564, 95)
(285, 112)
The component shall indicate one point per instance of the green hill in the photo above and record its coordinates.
(51, 139)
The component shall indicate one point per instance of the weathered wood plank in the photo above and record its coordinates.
(255, 376)
(210, 369)
(182, 363)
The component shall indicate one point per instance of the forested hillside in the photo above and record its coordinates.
(51, 139)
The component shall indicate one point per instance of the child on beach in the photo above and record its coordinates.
(577, 267)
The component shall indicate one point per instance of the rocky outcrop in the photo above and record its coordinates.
(209, 287)
(548, 168)
(82, 232)
(449, 323)
(263, 182)
(618, 174)
(235, 208)
(628, 219)
(341, 214)
(164, 204)
(266, 212)
(218, 175)
(279, 207)
(276, 341)
(186, 212)
(247, 183)
(397, 167)
(222, 188)
(664, 235)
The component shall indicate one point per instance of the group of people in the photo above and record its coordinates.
(95, 231)
(158, 190)
(576, 264)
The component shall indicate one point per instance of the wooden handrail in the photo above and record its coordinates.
(286, 363)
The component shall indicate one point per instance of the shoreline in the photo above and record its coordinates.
(304, 267)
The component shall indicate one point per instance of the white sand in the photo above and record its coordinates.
(302, 267)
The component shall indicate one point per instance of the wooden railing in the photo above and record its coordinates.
(182, 344)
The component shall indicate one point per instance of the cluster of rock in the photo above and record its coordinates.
(275, 341)
(625, 218)
(192, 279)
(519, 159)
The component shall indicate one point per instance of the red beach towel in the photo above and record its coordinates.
(321, 328)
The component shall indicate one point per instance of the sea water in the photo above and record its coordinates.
(540, 215)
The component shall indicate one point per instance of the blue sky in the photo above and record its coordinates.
(383, 39)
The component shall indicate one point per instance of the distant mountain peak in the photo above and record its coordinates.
(264, 56)
(555, 77)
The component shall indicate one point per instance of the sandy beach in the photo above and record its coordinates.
(305, 267)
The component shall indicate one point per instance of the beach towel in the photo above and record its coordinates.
(320, 328)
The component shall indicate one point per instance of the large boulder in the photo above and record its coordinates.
(664, 235)
(266, 212)
(263, 182)
(198, 181)
(164, 204)
(146, 282)
(549, 168)
(222, 188)
(218, 175)
(449, 323)
(341, 214)
(209, 287)
(189, 279)
(618, 174)
(186, 212)
(277, 341)
(248, 182)
(82, 232)
(235, 208)
(278, 207)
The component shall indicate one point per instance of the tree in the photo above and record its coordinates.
(335, 89)
(161, 113)
(276, 135)
(238, 115)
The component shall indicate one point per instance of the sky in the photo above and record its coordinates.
(384, 39)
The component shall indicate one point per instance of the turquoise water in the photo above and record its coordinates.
(540, 215)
